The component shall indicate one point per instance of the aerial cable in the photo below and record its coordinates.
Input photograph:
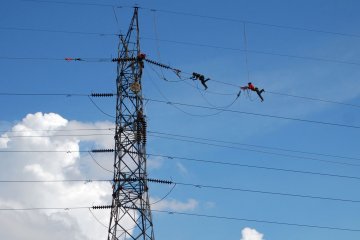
(258, 221)
(97, 163)
(157, 42)
(192, 215)
(314, 99)
(254, 145)
(178, 108)
(166, 195)
(218, 109)
(197, 186)
(202, 16)
(234, 164)
(256, 114)
(162, 76)
(168, 134)
(116, 18)
(98, 108)
(258, 151)
(223, 107)
(58, 130)
(57, 135)
(96, 219)
(246, 53)
(196, 160)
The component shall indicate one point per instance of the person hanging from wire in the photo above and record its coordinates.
(201, 78)
(255, 89)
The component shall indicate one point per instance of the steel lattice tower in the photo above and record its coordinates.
(130, 210)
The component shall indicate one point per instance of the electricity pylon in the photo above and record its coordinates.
(130, 210)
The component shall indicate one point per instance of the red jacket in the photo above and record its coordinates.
(251, 87)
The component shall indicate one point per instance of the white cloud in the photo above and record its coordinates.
(54, 224)
(174, 205)
(155, 162)
(182, 169)
(251, 234)
(56, 134)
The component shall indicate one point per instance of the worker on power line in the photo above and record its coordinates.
(255, 89)
(141, 57)
(201, 78)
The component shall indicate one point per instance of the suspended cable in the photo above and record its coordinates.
(236, 111)
(57, 135)
(102, 34)
(233, 164)
(295, 28)
(261, 151)
(166, 195)
(253, 145)
(196, 160)
(42, 208)
(197, 186)
(97, 163)
(194, 215)
(255, 114)
(318, 59)
(258, 221)
(314, 99)
(246, 53)
(98, 108)
(171, 135)
(96, 219)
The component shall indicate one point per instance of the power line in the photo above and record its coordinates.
(262, 151)
(73, 3)
(197, 186)
(168, 134)
(57, 31)
(232, 111)
(266, 192)
(204, 45)
(253, 145)
(172, 138)
(43, 208)
(58, 130)
(195, 215)
(258, 221)
(295, 28)
(58, 135)
(233, 164)
(318, 59)
(314, 99)
(57, 59)
(255, 114)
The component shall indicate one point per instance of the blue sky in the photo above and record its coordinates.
(300, 75)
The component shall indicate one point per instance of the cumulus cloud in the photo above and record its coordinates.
(251, 234)
(49, 132)
(43, 134)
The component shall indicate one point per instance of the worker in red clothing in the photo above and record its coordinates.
(255, 89)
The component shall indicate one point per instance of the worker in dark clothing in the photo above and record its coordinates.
(255, 89)
(201, 78)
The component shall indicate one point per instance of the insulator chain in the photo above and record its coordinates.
(102, 207)
(148, 179)
(102, 94)
(123, 59)
(102, 150)
(111, 206)
(159, 181)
